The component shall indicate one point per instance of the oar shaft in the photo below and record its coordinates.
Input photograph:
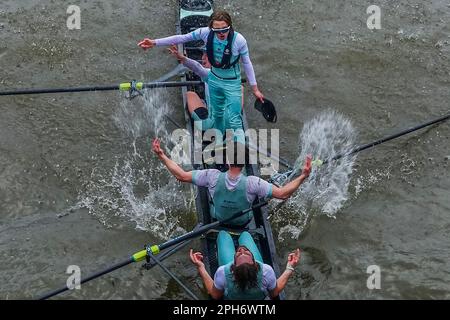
(270, 155)
(173, 276)
(391, 137)
(171, 84)
(89, 278)
(58, 90)
(208, 227)
(150, 85)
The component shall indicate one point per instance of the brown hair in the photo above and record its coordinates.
(245, 276)
(220, 15)
(234, 155)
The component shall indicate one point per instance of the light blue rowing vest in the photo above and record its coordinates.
(234, 71)
(232, 291)
(228, 202)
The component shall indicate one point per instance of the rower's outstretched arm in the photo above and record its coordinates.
(172, 166)
(197, 68)
(148, 43)
(287, 190)
(197, 260)
(293, 260)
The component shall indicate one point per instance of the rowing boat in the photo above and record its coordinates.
(193, 15)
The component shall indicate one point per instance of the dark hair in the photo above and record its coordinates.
(245, 275)
(220, 15)
(234, 155)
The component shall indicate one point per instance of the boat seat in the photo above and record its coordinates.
(193, 22)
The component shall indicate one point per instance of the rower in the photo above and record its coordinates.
(241, 274)
(232, 191)
(225, 48)
(202, 112)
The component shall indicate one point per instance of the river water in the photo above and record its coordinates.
(80, 186)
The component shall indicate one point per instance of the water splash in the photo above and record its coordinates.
(138, 188)
(327, 188)
(136, 120)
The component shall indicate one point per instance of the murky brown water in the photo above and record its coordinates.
(308, 56)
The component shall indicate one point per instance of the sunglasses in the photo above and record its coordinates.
(221, 31)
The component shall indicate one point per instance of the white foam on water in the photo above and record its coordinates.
(325, 191)
(139, 189)
(138, 119)
(370, 178)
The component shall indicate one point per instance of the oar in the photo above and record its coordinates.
(179, 70)
(125, 86)
(155, 249)
(270, 155)
(173, 276)
(280, 160)
(364, 147)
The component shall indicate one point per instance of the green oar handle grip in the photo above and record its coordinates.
(140, 256)
(126, 86)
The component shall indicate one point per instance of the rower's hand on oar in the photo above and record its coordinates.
(196, 258)
(293, 258)
(173, 50)
(156, 147)
(307, 167)
(147, 43)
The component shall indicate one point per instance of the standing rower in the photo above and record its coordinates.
(202, 112)
(225, 48)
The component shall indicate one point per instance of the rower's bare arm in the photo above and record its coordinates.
(197, 260)
(293, 259)
(176, 170)
(287, 190)
(172, 166)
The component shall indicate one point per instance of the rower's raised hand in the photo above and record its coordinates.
(307, 167)
(196, 258)
(294, 258)
(156, 147)
(173, 50)
(147, 43)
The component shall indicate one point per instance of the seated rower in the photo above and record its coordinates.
(232, 191)
(241, 274)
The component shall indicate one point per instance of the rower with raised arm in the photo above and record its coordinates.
(242, 275)
(232, 191)
(225, 48)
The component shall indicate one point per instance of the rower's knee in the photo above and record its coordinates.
(191, 94)
(202, 113)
